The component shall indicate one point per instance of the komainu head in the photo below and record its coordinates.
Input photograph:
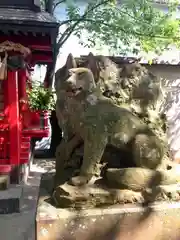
(106, 73)
(80, 80)
(62, 73)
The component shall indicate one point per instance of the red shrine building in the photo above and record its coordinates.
(27, 37)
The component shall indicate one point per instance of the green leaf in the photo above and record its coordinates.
(121, 26)
(40, 98)
(131, 22)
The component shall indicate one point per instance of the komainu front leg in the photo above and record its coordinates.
(94, 147)
(64, 152)
(65, 149)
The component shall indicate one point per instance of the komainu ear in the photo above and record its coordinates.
(62, 73)
(70, 62)
(93, 66)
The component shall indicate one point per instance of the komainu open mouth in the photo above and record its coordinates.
(73, 91)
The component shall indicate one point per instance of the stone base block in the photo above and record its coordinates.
(113, 223)
(158, 221)
(10, 199)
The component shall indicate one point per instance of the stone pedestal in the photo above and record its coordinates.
(159, 221)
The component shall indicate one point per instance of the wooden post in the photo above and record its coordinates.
(13, 118)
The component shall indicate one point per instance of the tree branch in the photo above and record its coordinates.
(70, 30)
(59, 44)
(65, 38)
(63, 35)
(57, 4)
(109, 25)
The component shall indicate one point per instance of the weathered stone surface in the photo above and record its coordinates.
(122, 221)
(138, 179)
(89, 114)
(93, 196)
(99, 193)
(98, 122)
(97, 196)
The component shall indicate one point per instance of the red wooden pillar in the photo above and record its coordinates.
(13, 118)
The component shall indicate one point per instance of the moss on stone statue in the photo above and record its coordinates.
(110, 132)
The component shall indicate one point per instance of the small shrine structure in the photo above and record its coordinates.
(27, 37)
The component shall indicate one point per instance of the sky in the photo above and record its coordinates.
(72, 46)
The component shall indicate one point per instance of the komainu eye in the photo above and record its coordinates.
(80, 74)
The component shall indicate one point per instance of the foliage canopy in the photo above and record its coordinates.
(127, 27)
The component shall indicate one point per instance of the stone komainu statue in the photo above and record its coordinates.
(107, 124)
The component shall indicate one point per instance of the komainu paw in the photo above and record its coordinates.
(128, 196)
(79, 180)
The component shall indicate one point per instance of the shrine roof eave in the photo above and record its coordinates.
(27, 20)
(31, 26)
(28, 23)
(26, 15)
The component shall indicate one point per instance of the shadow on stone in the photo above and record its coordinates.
(119, 221)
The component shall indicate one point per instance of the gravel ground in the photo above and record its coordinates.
(21, 226)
